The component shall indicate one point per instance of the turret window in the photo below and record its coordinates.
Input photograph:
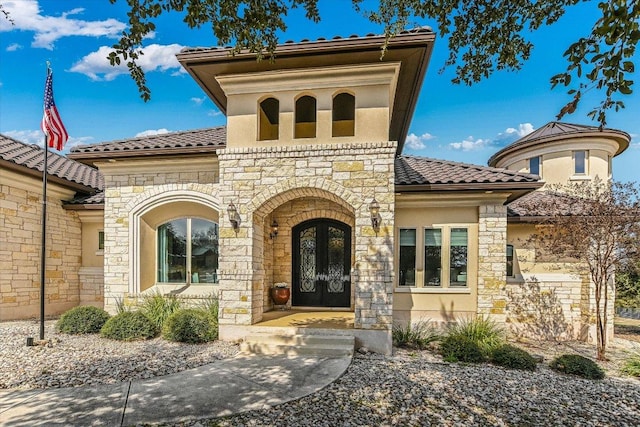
(580, 159)
(344, 111)
(305, 126)
(535, 166)
(268, 121)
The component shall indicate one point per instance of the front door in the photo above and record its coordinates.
(321, 264)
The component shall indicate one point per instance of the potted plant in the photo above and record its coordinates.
(280, 294)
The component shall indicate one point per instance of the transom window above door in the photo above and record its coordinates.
(187, 251)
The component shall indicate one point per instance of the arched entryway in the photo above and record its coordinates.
(321, 264)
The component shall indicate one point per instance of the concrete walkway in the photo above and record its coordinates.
(226, 387)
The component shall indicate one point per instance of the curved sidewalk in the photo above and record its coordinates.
(226, 387)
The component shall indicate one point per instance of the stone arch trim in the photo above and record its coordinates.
(157, 196)
(205, 194)
(293, 188)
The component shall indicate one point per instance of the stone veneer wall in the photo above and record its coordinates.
(20, 240)
(91, 286)
(129, 190)
(492, 269)
(259, 180)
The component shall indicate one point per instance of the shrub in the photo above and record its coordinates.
(158, 307)
(632, 366)
(459, 348)
(129, 326)
(211, 305)
(191, 325)
(483, 331)
(84, 319)
(575, 364)
(513, 357)
(414, 335)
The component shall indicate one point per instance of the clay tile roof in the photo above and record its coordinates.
(410, 170)
(540, 204)
(555, 131)
(200, 140)
(94, 199)
(30, 158)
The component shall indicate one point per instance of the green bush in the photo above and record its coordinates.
(513, 357)
(575, 364)
(85, 319)
(632, 366)
(483, 331)
(158, 307)
(459, 348)
(211, 305)
(414, 335)
(191, 325)
(129, 326)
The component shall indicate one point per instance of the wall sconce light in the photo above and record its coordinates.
(234, 217)
(274, 229)
(376, 219)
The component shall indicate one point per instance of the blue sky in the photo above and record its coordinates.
(100, 103)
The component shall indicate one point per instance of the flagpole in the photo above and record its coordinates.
(43, 255)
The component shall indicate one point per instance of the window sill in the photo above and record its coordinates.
(579, 178)
(413, 290)
(100, 252)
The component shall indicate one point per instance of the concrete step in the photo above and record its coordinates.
(321, 345)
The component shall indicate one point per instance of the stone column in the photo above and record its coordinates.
(492, 266)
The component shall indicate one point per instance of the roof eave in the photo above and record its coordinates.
(91, 157)
(72, 185)
(81, 206)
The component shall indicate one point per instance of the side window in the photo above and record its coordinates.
(458, 256)
(268, 119)
(580, 159)
(509, 260)
(343, 115)
(535, 164)
(305, 126)
(407, 273)
(432, 257)
(100, 240)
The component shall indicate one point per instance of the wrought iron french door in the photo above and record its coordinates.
(321, 264)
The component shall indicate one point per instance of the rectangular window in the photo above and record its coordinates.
(458, 257)
(407, 273)
(100, 240)
(433, 257)
(509, 260)
(534, 165)
(580, 162)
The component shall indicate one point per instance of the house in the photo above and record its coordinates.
(307, 185)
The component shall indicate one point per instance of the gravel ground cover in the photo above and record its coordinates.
(74, 360)
(418, 389)
(410, 388)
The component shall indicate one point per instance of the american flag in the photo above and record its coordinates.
(51, 122)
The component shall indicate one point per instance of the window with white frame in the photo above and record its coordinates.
(444, 260)
(580, 159)
(188, 251)
(407, 257)
(535, 166)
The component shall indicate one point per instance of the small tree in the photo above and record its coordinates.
(595, 224)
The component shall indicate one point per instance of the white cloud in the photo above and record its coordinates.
(27, 136)
(214, 113)
(470, 144)
(416, 142)
(503, 138)
(511, 134)
(151, 132)
(13, 47)
(37, 137)
(26, 16)
(198, 101)
(156, 58)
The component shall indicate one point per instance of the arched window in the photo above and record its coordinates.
(344, 113)
(268, 119)
(188, 251)
(305, 117)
